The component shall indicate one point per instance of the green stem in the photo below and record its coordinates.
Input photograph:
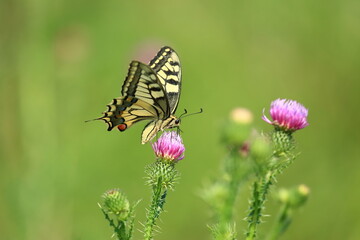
(260, 191)
(235, 171)
(122, 231)
(233, 187)
(281, 159)
(282, 223)
(119, 228)
(254, 214)
(232, 167)
(156, 207)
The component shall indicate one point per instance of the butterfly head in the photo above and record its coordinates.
(171, 122)
(177, 121)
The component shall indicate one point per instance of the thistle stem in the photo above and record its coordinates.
(254, 214)
(282, 223)
(235, 172)
(122, 231)
(231, 170)
(260, 191)
(156, 207)
(119, 227)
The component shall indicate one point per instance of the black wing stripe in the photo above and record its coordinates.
(166, 65)
(143, 83)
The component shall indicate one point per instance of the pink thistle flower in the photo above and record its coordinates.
(169, 147)
(287, 115)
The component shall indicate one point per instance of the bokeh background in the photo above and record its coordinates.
(63, 61)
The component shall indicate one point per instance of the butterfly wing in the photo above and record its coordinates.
(150, 130)
(166, 65)
(148, 93)
(143, 99)
(125, 111)
(142, 83)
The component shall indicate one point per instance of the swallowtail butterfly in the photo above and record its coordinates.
(150, 92)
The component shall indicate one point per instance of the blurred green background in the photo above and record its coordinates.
(63, 61)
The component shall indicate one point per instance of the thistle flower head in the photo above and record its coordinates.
(287, 115)
(169, 147)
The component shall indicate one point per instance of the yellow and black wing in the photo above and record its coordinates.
(166, 65)
(143, 99)
(142, 83)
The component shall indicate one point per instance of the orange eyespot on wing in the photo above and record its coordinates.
(122, 127)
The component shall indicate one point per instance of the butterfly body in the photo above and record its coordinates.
(150, 92)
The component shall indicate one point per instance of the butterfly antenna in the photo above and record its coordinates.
(93, 119)
(201, 110)
(185, 112)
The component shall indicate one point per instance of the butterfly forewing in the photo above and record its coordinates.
(142, 83)
(166, 65)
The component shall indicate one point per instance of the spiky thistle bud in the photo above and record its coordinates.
(261, 147)
(164, 171)
(294, 197)
(283, 142)
(115, 202)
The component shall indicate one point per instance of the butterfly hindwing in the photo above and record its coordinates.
(166, 65)
(126, 111)
(150, 131)
(153, 127)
